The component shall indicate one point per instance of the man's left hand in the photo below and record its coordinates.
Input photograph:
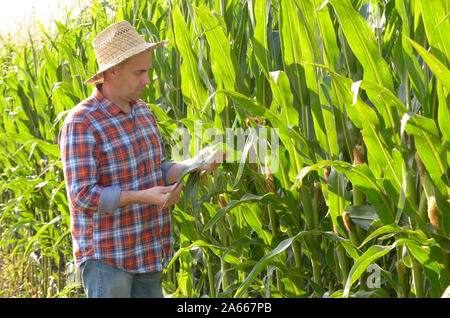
(218, 157)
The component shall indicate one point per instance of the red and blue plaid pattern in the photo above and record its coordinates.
(103, 147)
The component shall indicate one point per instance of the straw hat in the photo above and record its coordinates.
(115, 44)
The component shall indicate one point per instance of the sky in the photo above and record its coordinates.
(16, 13)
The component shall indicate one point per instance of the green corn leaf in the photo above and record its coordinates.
(259, 110)
(249, 197)
(343, 89)
(192, 86)
(363, 215)
(369, 257)
(362, 177)
(334, 113)
(391, 229)
(252, 215)
(223, 61)
(186, 171)
(327, 118)
(291, 48)
(433, 155)
(388, 105)
(234, 203)
(363, 43)
(375, 252)
(260, 40)
(439, 69)
(337, 198)
(262, 263)
(327, 32)
(25, 138)
(322, 109)
(437, 26)
(444, 117)
(377, 146)
(282, 95)
(429, 147)
(250, 142)
(40, 232)
(412, 67)
(425, 257)
(318, 104)
(195, 245)
(28, 107)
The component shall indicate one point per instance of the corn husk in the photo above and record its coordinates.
(433, 214)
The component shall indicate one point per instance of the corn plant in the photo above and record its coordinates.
(348, 99)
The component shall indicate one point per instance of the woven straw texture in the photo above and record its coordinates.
(115, 44)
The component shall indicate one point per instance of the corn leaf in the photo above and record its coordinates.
(363, 44)
(429, 147)
(437, 26)
(337, 198)
(259, 110)
(439, 69)
(433, 156)
(362, 177)
(444, 117)
(291, 48)
(249, 197)
(363, 215)
(262, 263)
(223, 61)
(412, 68)
(330, 46)
(192, 86)
(388, 105)
(260, 39)
(369, 257)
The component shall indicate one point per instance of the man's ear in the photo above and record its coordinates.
(110, 73)
(113, 71)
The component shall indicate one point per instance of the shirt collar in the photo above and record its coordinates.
(109, 105)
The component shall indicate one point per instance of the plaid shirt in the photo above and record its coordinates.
(104, 151)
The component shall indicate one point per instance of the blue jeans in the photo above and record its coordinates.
(101, 280)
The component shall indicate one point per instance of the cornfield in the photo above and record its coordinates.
(352, 198)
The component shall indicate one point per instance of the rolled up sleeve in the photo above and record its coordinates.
(77, 147)
(165, 166)
(109, 200)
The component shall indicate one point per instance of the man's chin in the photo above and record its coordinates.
(137, 96)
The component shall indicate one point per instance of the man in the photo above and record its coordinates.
(116, 176)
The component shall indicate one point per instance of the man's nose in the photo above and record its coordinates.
(146, 79)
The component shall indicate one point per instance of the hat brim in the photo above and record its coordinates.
(98, 77)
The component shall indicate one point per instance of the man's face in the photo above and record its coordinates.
(132, 76)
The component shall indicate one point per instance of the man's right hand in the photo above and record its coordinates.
(159, 195)
(166, 195)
